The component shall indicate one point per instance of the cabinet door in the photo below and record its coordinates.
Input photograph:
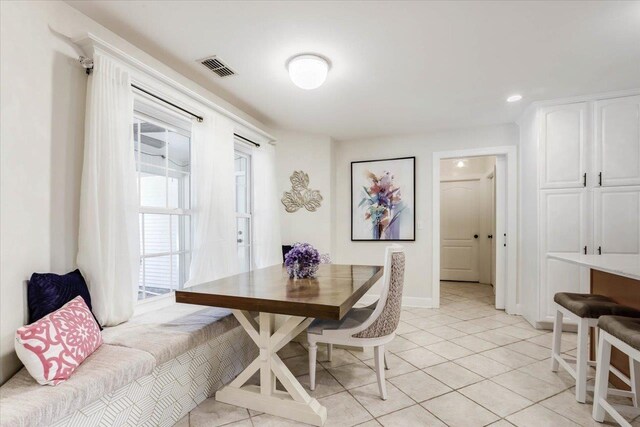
(617, 220)
(564, 228)
(563, 145)
(617, 140)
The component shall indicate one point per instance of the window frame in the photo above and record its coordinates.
(151, 111)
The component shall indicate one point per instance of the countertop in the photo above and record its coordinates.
(621, 265)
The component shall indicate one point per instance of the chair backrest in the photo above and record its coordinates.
(386, 316)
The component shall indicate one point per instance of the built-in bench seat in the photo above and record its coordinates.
(151, 371)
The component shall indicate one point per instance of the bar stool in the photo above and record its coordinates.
(588, 308)
(624, 334)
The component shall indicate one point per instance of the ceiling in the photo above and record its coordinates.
(397, 67)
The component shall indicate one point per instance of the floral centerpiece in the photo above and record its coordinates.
(383, 202)
(302, 261)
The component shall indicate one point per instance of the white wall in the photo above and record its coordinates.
(418, 286)
(472, 167)
(528, 256)
(42, 125)
(311, 154)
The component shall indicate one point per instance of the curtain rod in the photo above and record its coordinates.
(246, 139)
(197, 117)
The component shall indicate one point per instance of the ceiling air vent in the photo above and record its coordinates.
(217, 66)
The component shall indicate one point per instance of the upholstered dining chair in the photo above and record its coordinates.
(372, 326)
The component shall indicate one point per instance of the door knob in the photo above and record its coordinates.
(475, 236)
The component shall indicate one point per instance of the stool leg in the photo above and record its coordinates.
(582, 361)
(634, 377)
(602, 377)
(557, 336)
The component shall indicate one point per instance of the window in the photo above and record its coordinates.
(243, 207)
(163, 162)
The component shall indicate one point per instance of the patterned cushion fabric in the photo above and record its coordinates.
(388, 320)
(48, 292)
(592, 306)
(54, 346)
(626, 329)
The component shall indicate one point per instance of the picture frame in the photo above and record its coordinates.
(383, 195)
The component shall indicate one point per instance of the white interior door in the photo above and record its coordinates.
(460, 228)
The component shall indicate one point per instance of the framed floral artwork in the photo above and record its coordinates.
(383, 194)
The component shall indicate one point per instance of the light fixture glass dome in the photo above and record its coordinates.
(308, 71)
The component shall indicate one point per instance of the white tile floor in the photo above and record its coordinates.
(465, 364)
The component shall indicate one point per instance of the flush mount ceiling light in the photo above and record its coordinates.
(460, 164)
(308, 71)
(514, 98)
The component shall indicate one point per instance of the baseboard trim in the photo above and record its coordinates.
(406, 301)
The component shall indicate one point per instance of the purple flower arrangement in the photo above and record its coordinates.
(302, 261)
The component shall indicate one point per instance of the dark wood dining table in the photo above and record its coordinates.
(270, 291)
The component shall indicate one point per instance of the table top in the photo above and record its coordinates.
(621, 265)
(330, 295)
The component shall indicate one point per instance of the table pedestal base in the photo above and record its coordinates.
(294, 403)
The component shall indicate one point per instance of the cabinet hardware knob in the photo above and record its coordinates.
(475, 236)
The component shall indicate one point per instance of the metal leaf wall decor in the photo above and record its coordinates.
(301, 195)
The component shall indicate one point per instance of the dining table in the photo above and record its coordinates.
(255, 298)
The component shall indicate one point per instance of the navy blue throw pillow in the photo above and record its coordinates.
(48, 292)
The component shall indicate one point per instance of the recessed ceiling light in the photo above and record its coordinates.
(308, 71)
(514, 98)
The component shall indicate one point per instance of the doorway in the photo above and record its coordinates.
(504, 257)
(467, 222)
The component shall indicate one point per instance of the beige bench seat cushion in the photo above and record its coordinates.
(25, 403)
(172, 331)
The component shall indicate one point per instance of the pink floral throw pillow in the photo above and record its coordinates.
(54, 346)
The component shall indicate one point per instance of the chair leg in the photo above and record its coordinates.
(634, 376)
(329, 352)
(557, 337)
(379, 359)
(313, 351)
(602, 378)
(386, 364)
(582, 361)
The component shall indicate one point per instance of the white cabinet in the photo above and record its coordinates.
(564, 228)
(617, 220)
(617, 140)
(563, 145)
(595, 136)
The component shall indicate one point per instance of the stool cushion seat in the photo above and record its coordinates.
(626, 329)
(593, 306)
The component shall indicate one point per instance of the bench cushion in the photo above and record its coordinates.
(593, 306)
(172, 331)
(24, 402)
(626, 329)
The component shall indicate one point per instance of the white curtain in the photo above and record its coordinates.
(108, 240)
(215, 252)
(267, 243)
